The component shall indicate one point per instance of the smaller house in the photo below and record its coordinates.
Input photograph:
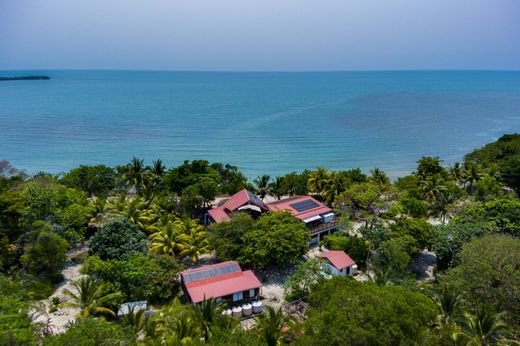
(338, 263)
(222, 281)
(244, 201)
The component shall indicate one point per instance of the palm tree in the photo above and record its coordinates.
(169, 240)
(317, 180)
(158, 168)
(134, 320)
(91, 297)
(442, 204)
(457, 172)
(379, 177)
(381, 277)
(335, 185)
(262, 185)
(277, 187)
(270, 324)
(473, 175)
(448, 302)
(430, 187)
(141, 212)
(208, 314)
(483, 326)
(198, 243)
(135, 174)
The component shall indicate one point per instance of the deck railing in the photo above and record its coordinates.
(325, 226)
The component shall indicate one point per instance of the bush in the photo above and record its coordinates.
(118, 239)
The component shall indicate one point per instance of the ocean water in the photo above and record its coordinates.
(265, 123)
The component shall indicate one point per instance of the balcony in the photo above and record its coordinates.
(324, 226)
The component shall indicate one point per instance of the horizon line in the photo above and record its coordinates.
(262, 71)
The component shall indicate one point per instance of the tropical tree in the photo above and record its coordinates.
(442, 206)
(135, 174)
(91, 297)
(270, 325)
(473, 173)
(169, 240)
(483, 326)
(334, 186)
(457, 172)
(448, 301)
(430, 187)
(378, 176)
(139, 211)
(278, 187)
(317, 180)
(262, 185)
(207, 315)
(134, 320)
(198, 243)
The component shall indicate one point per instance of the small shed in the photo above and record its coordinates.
(338, 263)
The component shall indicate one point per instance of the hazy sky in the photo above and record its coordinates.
(259, 34)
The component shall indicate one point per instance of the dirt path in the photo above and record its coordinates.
(64, 314)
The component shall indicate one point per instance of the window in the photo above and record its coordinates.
(218, 300)
(238, 296)
(251, 293)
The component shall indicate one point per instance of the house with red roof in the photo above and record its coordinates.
(244, 201)
(318, 218)
(338, 263)
(222, 281)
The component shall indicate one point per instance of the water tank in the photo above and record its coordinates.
(237, 312)
(247, 310)
(257, 307)
(227, 312)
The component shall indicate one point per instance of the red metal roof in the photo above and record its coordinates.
(220, 285)
(285, 205)
(239, 199)
(338, 259)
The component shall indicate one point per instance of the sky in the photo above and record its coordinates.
(260, 35)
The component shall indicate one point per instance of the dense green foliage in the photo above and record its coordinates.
(505, 155)
(275, 240)
(142, 221)
(345, 312)
(489, 271)
(118, 239)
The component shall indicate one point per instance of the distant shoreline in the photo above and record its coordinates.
(25, 78)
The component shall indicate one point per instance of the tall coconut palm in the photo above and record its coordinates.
(169, 240)
(207, 315)
(457, 172)
(91, 296)
(318, 180)
(335, 185)
(135, 174)
(198, 243)
(262, 185)
(483, 326)
(442, 204)
(473, 175)
(430, 188)
(270, 325)
(277, 188)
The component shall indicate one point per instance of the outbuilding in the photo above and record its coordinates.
(338, 263)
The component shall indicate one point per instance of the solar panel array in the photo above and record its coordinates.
(304, 205)
(255, 198)
(211, 272)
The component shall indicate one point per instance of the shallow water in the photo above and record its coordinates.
(265, 123)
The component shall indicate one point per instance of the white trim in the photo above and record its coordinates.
(312, 218)
(250, 206)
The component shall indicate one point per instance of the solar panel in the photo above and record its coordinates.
(211, 272)
(255, 198)
(304, 205)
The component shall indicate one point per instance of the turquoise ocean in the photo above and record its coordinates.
(265, 123)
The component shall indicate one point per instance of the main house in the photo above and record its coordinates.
(223, 281)
(318, 218)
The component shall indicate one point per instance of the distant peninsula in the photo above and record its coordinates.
(24, 78)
